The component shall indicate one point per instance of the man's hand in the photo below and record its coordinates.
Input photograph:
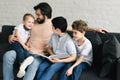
(11, 39)
(101, 30)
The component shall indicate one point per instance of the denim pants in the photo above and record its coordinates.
(47, 70)
(76, 72)
(21, 52)
(8, 61)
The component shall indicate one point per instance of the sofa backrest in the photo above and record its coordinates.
(6, 31)
(99, 44)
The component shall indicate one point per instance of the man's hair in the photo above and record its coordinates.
(45, 9)
(28, 14)
(60, 22)
(80, 25)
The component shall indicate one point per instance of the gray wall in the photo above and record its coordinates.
(98, 13)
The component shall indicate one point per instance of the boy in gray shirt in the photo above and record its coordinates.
(60, 43)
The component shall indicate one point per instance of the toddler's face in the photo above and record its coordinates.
(29, 22)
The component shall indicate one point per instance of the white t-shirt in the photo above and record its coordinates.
(85, 50)
(24, 34)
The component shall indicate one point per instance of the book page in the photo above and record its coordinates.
(60, 56)
(43, 56)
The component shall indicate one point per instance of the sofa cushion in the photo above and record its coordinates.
(111, 52)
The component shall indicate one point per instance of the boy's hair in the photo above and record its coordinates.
(80, 25)
(28, 14)
(60, 22)
(45, 9)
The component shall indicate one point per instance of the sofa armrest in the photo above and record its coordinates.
(118, 70)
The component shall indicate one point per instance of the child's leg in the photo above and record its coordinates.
(78, 70)
(63, 75)
(32, 68)
(42, 67)
(24, 65)
(54, 68)
(19, 50)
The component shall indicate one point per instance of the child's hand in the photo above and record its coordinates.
(54, 60)
(69, 71)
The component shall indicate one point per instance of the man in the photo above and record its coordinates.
(40, 35)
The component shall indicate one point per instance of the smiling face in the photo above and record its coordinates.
(39, 16)
(77, 34)
(28, 22)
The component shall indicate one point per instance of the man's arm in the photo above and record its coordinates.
(17, 35)
(101, 30)
(11, 38)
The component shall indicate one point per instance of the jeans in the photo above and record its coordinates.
(21, 52)
(47, 70)
(32, 69)
(76, 72)
(8, 61)
(42, 67)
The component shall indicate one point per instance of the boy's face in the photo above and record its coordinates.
(56, 31)
(77, 34)
(39, 16)
(28, 22)
(53, 29)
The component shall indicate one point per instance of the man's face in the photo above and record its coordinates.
(40, 17)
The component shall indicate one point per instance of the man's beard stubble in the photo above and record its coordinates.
(41, 21)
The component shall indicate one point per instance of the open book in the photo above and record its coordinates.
(60, 56)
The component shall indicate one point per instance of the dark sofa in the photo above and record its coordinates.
(106, 65)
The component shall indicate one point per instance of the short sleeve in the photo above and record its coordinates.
(87, 48)
(19, 27)
(71, 47)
